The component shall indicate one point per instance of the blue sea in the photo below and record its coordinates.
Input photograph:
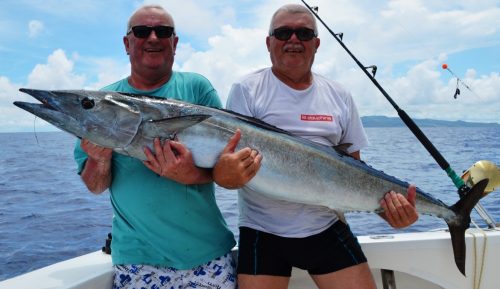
(47, 215)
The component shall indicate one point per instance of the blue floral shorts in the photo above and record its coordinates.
(219, 273)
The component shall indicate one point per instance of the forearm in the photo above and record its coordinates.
(199, 176)
(97, 175)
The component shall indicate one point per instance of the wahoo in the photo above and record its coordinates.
(293, 169)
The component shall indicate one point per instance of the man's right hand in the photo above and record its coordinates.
(97, 171)
(95, 152)
(234, 169)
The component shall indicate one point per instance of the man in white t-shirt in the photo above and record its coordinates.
(277, 235)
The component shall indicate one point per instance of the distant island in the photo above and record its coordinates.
(384, 121)
(368, 121)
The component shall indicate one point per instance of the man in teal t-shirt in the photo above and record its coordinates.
(167, 229)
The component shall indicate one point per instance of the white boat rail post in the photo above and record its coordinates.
(483, 213)
(388, 279)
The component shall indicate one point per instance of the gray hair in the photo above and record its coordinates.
(293, 9)
(148, 6)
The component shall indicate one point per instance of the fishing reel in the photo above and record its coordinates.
(483, 170)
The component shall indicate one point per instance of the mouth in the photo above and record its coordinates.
(293, 49)
(153, 50)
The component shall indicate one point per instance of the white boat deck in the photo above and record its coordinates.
(419, 260)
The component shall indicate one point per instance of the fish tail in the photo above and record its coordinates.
(461, 222)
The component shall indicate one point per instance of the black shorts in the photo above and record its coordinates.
(262, 253)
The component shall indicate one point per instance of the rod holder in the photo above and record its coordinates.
(373, 67)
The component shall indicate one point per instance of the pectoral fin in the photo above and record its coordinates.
(342, 148)
(171, 126)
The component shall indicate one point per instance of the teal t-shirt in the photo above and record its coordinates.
(158, 221)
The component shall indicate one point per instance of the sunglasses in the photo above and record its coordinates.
(143, 31)
(285, 33)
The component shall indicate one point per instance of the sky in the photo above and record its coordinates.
(66, 44)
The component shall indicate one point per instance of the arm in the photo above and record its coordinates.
(96, 173)
(174, 161)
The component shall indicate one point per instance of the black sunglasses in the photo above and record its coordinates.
(143, 31)
(285, 33)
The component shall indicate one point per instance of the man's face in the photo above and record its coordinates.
(151, 53)
(292, 53)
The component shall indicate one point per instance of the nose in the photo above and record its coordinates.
(293, 37)
(152, 35)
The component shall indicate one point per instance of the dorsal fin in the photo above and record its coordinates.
(257, 122)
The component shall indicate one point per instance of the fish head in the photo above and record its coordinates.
(105, 118)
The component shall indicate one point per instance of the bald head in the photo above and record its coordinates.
(293, 9)
(160, 12)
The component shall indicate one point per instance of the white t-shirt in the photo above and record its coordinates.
(324, 113)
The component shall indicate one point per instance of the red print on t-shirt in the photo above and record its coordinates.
(316, 117)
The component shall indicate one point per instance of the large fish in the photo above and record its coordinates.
(293, 168)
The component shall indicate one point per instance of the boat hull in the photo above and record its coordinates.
(417, 260)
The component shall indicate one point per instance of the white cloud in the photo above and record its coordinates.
(12, 118)
(8, 91)
(57, 73)
(382, 37)
(232, 54)
(35, 27)
(109, 71)
(223, 40)
(103, 71)
(199, 19)
(422, 94)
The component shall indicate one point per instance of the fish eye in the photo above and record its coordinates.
(88, 103)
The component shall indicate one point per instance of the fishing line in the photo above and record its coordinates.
(444, 66)
(34, 131)
(457, 181)
(459, 81)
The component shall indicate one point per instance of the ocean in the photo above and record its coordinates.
(47, 215)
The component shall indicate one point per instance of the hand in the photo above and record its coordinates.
(97, 171)
(173, 160)
(400, 211)
(97, 153)
(234, 169)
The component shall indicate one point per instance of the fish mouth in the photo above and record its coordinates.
(35, 108)
(47, 109)
(43, 96)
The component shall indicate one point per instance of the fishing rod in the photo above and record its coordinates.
(457, 181)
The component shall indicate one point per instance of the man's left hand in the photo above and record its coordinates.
(173, 160)
(400, 211)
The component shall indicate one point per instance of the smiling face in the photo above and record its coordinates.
(151, 57)
(292, 54)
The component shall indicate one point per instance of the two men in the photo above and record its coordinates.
(167, 229)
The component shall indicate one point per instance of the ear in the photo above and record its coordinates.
(268, 43)
(317, 43)
(126, 43)
(176, 39)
